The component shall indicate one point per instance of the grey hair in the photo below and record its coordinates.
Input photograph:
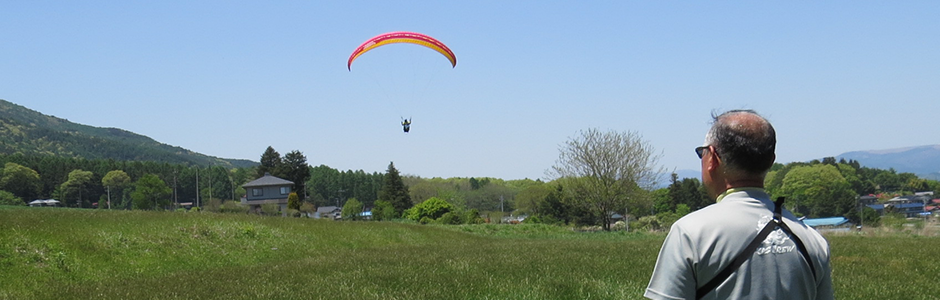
(744, 149)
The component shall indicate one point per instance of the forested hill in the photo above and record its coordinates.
(28, 132)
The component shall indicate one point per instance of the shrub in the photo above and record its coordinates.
(293, 213)
(293, 201)
(352, 210)
(212, 205)
(383, 211)
(619, 225)
(432, 209)
(473, 217)
(532, 220)
(270, 209)
(7, 198)
(648, 223)
(308, 207)
(450, 218)
(233, 207)
(894, 221)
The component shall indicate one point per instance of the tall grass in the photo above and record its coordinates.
(83, 254)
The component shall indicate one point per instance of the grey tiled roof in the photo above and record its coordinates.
(267, 180)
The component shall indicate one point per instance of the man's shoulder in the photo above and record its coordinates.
(723, 217)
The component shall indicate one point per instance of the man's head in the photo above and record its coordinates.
(738, 151)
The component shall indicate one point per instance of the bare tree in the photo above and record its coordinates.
(607, 171)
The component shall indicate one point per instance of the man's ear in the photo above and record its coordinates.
(712, 161)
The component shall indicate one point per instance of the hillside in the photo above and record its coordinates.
(28, 132)
(921, 160)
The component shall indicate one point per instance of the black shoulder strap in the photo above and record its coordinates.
(746, 254)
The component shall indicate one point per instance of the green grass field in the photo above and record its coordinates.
(48, 253)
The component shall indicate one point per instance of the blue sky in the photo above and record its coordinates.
(230, 78)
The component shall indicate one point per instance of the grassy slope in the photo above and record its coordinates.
(82, 254)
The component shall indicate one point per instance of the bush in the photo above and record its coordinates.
(532, 220)
(308, 207)
(293, 201)
(473, 217)
(352, 210)
(432, 209)
(270, 209)
(383, 211)
(450, 218)
(233, 207)
(619, 226)
(648, 223)
(894, 221)
(212, 205)
(7, 198)
(293, 213)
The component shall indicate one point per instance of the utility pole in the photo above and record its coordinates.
(197, 186)
(210, 182)
(175, 195)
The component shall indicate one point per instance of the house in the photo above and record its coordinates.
(868, 200)
(910, 206)
(267, 190)
(332, 212)
(45, 202)
(829, 224)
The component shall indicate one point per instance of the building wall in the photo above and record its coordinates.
(267, 192)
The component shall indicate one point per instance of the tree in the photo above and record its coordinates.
(394, 191)
(688, 191)
(352, 210)
(528, 199)
(270, 163)
(296, 170)
(383, 211)
(76, 186)
(818, 191)
(151, 192)
(20, 181)
(116, 181)
(293, 201)
(554, 209)
(607, 171)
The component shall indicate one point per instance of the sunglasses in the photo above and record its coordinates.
(701, 151)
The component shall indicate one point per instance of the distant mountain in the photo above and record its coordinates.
(28, 132)
(921, 160)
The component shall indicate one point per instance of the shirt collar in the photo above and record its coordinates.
(739, 189)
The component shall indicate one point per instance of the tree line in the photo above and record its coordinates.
(583, 192)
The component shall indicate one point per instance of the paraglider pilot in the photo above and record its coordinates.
(406, 124)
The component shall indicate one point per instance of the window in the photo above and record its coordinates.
(285, 190)
(256, 192)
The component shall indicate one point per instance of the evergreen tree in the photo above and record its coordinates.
(270, 163)
(293, 202)
(394, 191)
(296, 170)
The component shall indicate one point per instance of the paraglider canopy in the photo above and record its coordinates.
(402, 37)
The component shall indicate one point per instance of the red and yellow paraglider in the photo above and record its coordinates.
(402, 37)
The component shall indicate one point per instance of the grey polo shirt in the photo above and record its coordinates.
(700, 244)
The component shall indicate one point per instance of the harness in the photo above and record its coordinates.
(743, 256)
